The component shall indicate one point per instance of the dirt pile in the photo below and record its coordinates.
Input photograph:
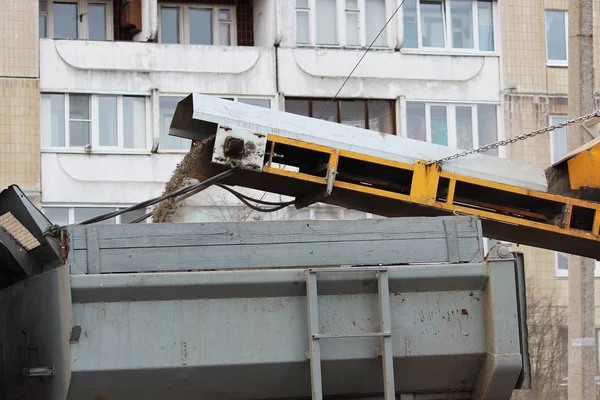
(163, 211)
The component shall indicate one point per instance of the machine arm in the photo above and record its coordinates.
(319, 161)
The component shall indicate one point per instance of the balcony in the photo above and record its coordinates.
(68, 65)
(318, 72)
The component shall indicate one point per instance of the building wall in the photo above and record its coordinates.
(155, 70)
(534, 89)
(19, 96)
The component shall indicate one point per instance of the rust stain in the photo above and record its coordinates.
(260, 135)
(225, 128)
(464, 312)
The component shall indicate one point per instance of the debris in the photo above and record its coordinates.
(164, 211)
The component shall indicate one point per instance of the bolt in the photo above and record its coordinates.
(233, 147)
(503, 251)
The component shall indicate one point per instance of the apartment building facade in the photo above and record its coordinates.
(535, 86)
(111, 73)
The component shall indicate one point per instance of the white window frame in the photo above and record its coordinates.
(83, 31)
(551, 122)
(448, 49)
(95, 127)
(272, 100)
(47, 16)
(237, 98)
(340, 20)
(557, 63)
(562, 273)
(71, 210)
(184, 22)
(451, 120)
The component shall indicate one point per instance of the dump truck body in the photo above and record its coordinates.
(270, 310)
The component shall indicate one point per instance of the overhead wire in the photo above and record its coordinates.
(242, 197)
(353, 69)
(195, 188)
(155, 200)
(360, 60)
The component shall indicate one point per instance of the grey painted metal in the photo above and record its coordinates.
(23, 259)
(452, 240)
(171, 247)
(452, 329)
(92, 249)
(250, 327)
(34, 333)
(387, 354)
(198, 116)
(504, 350)
(524, 381)
(315, 336)
(314, 345)
(16, 262)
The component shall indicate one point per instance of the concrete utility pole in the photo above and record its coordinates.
(582, 344)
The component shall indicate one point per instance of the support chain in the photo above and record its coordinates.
(517, 138)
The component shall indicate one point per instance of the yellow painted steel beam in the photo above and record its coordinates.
(424, 191)
(581, 166)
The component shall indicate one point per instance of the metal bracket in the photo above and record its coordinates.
(563, 216)
(452, 241)
(320, 195)
(38, 372)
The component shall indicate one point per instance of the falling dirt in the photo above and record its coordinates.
(163, 212)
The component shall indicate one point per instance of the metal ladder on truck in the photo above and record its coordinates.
(315, 336)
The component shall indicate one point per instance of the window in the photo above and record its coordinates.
(557, 29)
(83, 19)
(459, 126)
(43, 8)
(97, 21)
(561, 263)
(197, 24)
(449, 24)
(105, 122)
(168, 104)
(376, 115)
(72, 215)
(65, 20)
(559, 141)
(302, 21)
(341, 22)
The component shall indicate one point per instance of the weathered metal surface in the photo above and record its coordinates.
(18, 260)
(198, 116)
(172, 247)
(34, 337)
(452, 329)
(190, 334)
(374, 174)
